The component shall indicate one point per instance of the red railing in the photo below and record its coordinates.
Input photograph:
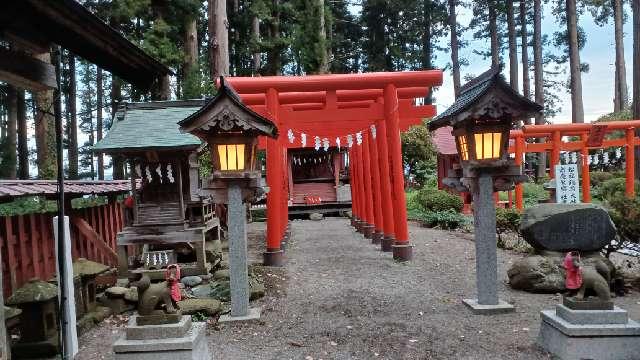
(28, 246)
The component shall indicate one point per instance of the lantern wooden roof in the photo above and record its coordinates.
(226, 111)
(487, 97)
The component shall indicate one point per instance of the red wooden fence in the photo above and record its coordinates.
(28, 246)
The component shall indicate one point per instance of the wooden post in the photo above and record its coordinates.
(368, 187)
(375, 176)
(273, 253)
(586, 176)
(5, 350)
(386, 201)
(180, 190)
(519, 190)
(402, 250)
(630, 162)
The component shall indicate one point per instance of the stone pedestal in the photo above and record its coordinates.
(183, 340)
(589, 334)
(387, 243)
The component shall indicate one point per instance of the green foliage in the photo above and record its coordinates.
(446, 220)
(200, 316)
(507, 220)
(599, 177)
(419, 156)
(6, 160)
(625, 213)
(433, 200)
(533, 193)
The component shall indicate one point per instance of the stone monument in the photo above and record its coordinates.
(587, 325)
(160, 331)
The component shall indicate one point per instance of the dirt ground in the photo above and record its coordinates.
(339, 297)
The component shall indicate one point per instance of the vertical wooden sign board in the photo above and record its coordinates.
(567, 184)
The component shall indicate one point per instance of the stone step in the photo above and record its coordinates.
(592, 317)
(149, 332)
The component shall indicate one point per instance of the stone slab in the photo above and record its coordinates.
(631, 328)
(590, 304)
(150, 332)
(159, 319)
(190, 342)
(478, 309)
(254, 314)
(592, 317)
(566, 347)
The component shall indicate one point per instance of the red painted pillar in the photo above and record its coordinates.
(385, 187)
(519, 188)
(273, 256)
(555, 154)
(352, 186)
(586, 180)
(402, 250)
(378, 233)
(368, 186)
(630, 161)
(362, 208)
(285, 191)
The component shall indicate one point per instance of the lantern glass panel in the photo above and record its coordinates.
(231, 157)
(464, 147)
(488, 145)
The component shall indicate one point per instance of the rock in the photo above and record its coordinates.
(256, 288)
(544, 273)
(224, 264)
(222, 274)
(122, 282)
(116, 292)
(316, 216)
(567, 227)
(202, 291)
(192, 306)
(191, 281)
(131, 295)
(348, 214)
(117, 305)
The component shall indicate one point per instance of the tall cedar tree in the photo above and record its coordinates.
(455, 60)
(538, 76)
(45, 129)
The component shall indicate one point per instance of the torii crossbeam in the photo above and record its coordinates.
(337, 105)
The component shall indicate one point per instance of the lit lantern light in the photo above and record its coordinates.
(483, 144)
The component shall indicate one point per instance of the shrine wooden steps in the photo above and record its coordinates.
(326, 192)
(159, 213)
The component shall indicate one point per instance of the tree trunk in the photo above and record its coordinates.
(538, 77)
(12, 120)
(45, 130)
(274, 61)
(23, 146)
(322, 35)
(577, 108)
(255, 29)
(72, 124)
(621, 97)
(493, 31)
(427, 47)
(99, 105)
(218, 39)
(190, 65)
(513, 46)
(116, 98)
(526, 81)
(636, 76)
(455, 62)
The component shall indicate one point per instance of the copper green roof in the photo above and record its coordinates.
(150, 126)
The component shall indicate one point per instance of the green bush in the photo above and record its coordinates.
(433, 200)
(598, 177)
(625, 213)
(447, 220)
(507, 220)
(533, 193)
(612, 189)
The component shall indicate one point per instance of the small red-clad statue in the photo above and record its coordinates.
(172, 276)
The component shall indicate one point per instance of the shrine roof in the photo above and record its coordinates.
(150, 126)
(444, 141)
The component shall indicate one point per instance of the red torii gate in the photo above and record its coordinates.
(338, 105)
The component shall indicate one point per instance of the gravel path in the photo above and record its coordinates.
(339, 297)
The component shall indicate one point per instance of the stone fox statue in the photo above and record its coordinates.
(151, 297)
(596, 277)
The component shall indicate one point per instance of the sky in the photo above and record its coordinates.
(599, 53)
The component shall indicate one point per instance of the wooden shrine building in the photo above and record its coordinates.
(170, 219)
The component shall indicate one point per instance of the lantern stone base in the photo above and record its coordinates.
(179, 341)
(501, 307)
(376, 237)
(387, 243)
(402, 252)
(273, 258)
(35, 350)
(589, 334)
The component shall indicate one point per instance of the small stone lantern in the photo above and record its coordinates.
(481, 118)
(38, 301)
(88, 271)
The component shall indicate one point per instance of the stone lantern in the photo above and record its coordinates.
(486, 110)
(38, 301)
(88, 271)
(231, 131)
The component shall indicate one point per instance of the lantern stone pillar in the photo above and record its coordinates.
(486, 250)
(238, 273)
